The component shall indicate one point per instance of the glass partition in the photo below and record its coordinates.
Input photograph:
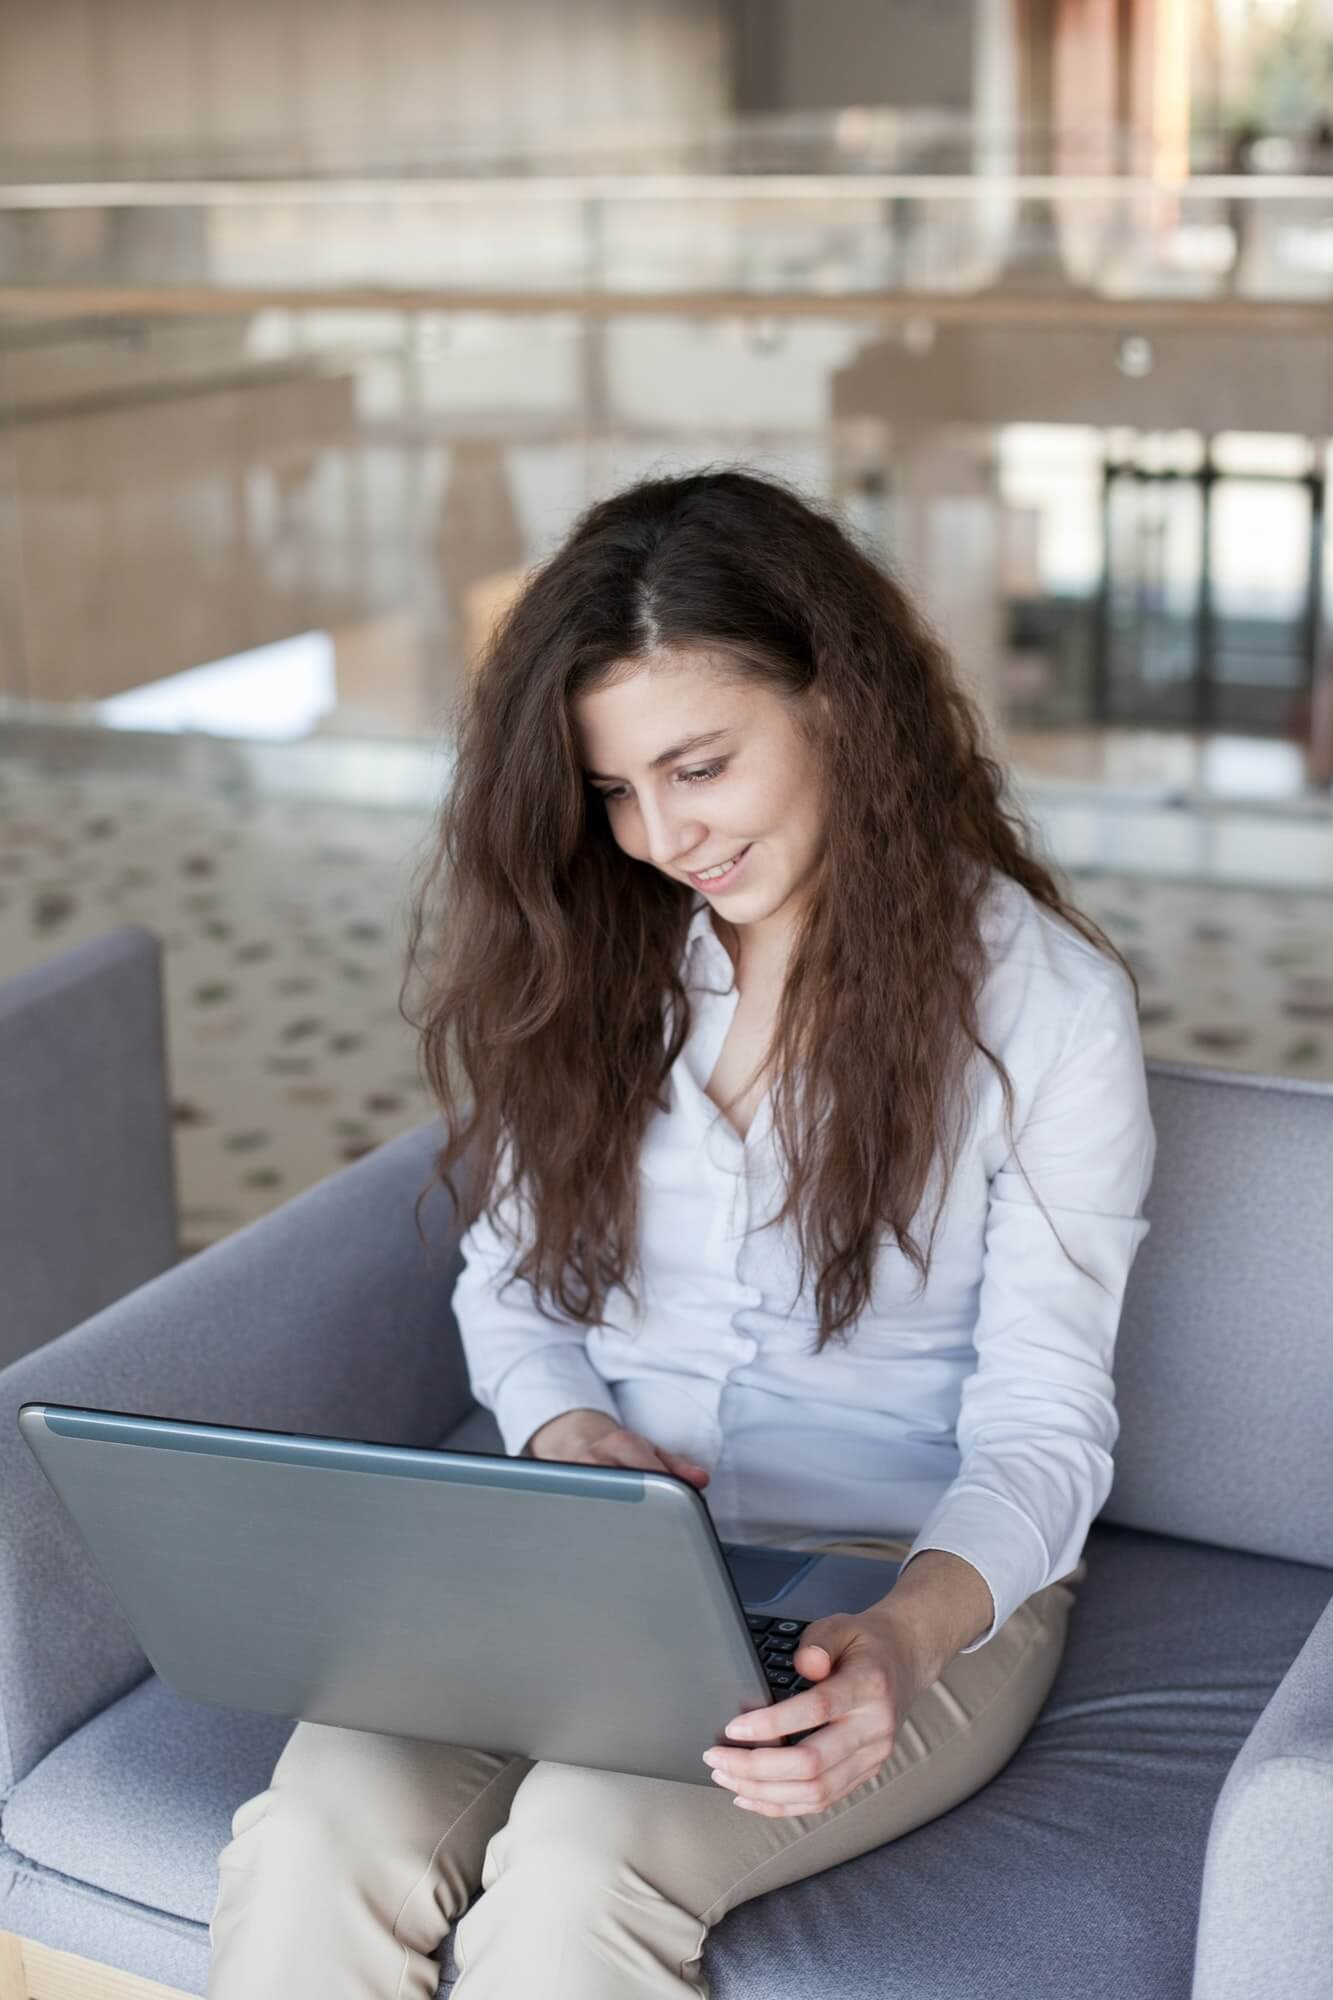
(784, 235)
(274, 453)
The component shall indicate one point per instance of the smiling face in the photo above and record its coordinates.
(752, 788)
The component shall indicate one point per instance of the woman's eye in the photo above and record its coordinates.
(698, 777)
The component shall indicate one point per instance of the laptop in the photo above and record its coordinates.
(581, 1614)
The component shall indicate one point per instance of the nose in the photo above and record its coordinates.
(671, 837)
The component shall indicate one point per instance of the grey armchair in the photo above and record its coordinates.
(1165, 1831)
(87, 1183)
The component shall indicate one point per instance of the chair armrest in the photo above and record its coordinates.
(1266, 1914)
(326, 1316)
(87, 1171)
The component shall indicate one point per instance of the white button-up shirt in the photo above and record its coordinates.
(977, 1417)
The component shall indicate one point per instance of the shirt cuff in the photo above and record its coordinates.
(998, 1540)
(554, 1378)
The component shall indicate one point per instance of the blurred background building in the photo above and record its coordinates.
(320, 320)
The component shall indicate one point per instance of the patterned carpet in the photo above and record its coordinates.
(285, 926)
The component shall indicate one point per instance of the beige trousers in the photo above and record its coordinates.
(342, 1878)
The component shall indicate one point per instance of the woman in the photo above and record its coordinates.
(808, 1139)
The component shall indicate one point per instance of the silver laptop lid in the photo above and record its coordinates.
(575, 1613)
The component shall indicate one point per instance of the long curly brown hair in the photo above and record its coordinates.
(554, 1005)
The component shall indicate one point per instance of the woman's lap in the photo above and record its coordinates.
(422, 1826)
(709, 1856)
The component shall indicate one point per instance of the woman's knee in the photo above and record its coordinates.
(294, 1829)
(572, 1820)
(579, 1840)
(333, 1801)
(240, 1851)
(578, 1858)
(382, 1823)
(250, 1813)
(287, 1860)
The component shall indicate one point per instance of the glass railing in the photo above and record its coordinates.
(794, 219)
(274, 449)
(859, 139)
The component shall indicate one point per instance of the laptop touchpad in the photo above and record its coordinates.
(762, 1574)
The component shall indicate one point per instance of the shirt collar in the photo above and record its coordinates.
(702, 938)
(699, 922)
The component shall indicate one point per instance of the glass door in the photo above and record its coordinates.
(1154, 606)
(1210, 596)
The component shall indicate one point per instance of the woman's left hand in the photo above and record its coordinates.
(866, 1676)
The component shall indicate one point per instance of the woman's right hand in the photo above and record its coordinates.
(590, 1437)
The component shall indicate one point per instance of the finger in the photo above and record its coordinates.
(823, 1644)
(794, 1760)
(685, 1468)
(627, 1448)
(817, 1795)
(835, 1696)
(816, 1658)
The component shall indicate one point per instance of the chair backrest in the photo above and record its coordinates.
(1224, 1361)
(87, 1187)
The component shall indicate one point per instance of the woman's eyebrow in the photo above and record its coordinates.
(686, 744)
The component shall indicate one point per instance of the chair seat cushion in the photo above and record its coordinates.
(1077, 1871)
(139, 1801)
(1079, 1863)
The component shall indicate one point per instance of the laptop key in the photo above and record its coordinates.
(756, 1623)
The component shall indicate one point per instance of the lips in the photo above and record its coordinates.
(697, 875)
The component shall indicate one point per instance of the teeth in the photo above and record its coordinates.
(711, 874)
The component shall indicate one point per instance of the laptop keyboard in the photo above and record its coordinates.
(777, 1639)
